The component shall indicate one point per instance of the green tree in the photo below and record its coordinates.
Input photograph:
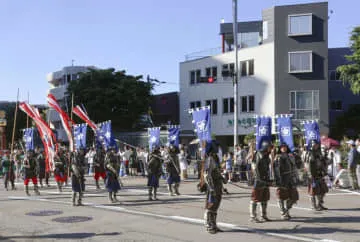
(348, 123)
(112, 95)
(350, 73)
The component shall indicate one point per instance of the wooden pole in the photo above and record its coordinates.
(14, 127)
(72, 105)
(27, 116)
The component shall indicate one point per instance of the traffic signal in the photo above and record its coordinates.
(210, 79)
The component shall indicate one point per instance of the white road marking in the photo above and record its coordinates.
(179, 219)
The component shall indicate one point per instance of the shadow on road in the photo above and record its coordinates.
(58, 236)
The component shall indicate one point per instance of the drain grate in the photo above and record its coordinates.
(45, 213)
(72, 219)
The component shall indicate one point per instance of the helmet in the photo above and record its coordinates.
(265, 146)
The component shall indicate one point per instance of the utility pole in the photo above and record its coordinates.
(236, 74)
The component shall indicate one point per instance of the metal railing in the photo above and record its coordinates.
(203, 53)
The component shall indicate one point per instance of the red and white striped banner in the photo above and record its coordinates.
(65, 119)
(46, 134)
(81, 114)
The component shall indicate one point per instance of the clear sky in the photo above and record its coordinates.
(139, 36)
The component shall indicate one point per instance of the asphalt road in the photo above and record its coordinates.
(51, 217)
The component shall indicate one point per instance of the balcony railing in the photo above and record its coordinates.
(203, 53)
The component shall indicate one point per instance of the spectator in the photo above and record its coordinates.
(334, 157)
(229, 165)
(353, 156)
(183, 163)
(342, 178)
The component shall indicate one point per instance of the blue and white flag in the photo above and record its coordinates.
(174, 136)
(104, 136)
(29, 138)
(263, 131)
(202, 122)
(154, 137)
(312, 132)
(80, 136)
(285, 131)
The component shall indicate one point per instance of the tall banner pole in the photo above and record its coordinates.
(14, 127)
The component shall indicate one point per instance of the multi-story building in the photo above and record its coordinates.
(165, 109)
(59, 81)
(283, 69)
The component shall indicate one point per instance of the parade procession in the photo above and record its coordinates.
(180, 121)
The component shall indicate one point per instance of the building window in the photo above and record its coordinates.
(247, 104)
(250, 39)
(300, 62)
(334, 75)
(213, 105)
(214, 71)
(247, 68)
(198, 76)
(208, 72)
(305, 104)
(228, 70)
(336, 105)
(196, 104)
(251, 103)
(211, 71)
(228, 105)
(192, 77)
(300, 25)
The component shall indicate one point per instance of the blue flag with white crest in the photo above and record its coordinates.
(154, 137)
(174, 136)
(80, 136)
(263, 131)
(202, 122)
(312, 132)
(104, 136)
(29, 139)
(285, 131)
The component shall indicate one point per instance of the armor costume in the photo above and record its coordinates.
(317, 169)
(173, 169)
(59, 172)
(8, 169)
(99, 166)
(286, 180)
(41, 167)
(154, 173)
(261, 193)
(78, 167)
(30, 172)
(112, 168)
(214, 187)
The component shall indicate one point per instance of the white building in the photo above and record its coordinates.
(283, 69)
(58, 87)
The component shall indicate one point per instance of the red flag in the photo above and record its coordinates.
(65, 119)
(81, 114)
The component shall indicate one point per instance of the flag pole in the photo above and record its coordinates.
(27, 116)
(14, 126)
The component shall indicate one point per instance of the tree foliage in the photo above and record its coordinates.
(350, 73)
(347, 124)
(112, 95)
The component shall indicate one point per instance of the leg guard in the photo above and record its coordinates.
(321, 202)
(155, 195)
(176, 187)
(282, 207)
(170, 190)
(80, 199)
(211, 222)
(264, 216)
(253, 217)
(59, 186)
(73, 198)
(150, 193)
(36, 190)
(114, 197)
(97, 184)
(111, 197)
(313, 203)
(26, 187)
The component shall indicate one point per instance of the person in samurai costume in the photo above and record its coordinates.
(173, 170)
(112, 167)
(78, 167)
(30, 172)
(8, 169)
(154, 172)
(317, 169)
(260, 192)
(214, 186)
(59, 171)
(41, 167)
(285, 179)
(99, 167)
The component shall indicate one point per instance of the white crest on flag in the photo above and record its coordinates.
(173, 137)
(80, 136)
(108, 135)
(152, 139)
(263, 130)
(312, 135)
(285, 131)
(201, 126)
